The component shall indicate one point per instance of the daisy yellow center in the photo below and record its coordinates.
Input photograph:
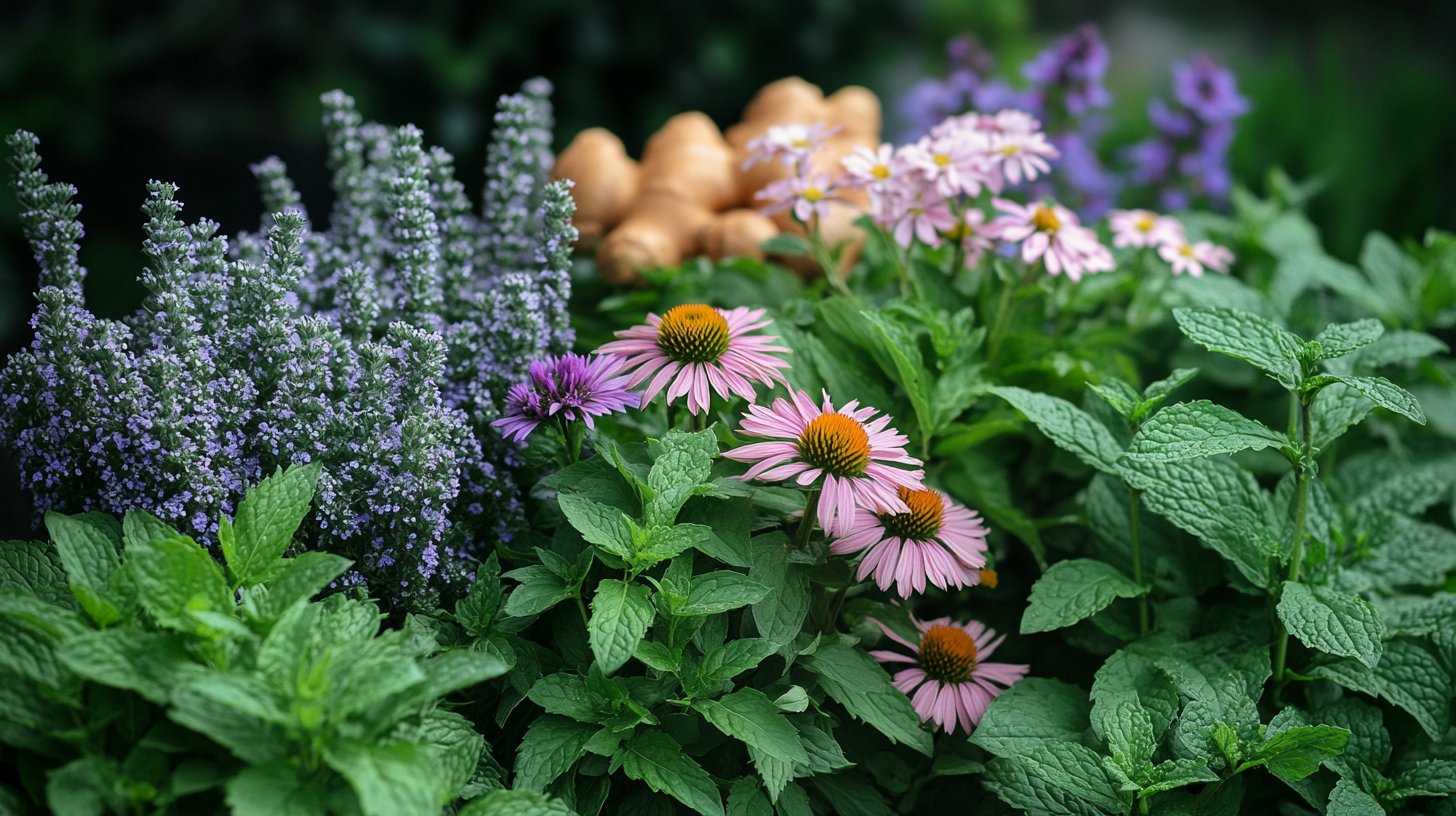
(923, 520)
(880, 171)
(1045, 220)
(1186, 251)
(947, 653)
(812, 193)
(1009, 150)
(836, 443)
(802, 142)
(693, 333)
(942, 160)
(1144, 224)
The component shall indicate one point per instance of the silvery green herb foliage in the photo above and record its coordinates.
(139, 675)
(378, 344)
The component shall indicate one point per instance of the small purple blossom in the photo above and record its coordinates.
(570, 388)
(1072, 69)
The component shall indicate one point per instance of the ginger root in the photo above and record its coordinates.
(690, 193)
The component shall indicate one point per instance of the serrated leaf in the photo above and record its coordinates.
(621, 612)
(1129, 733)
(749, 716)
(732, 659)
(568, 695)
(267, 518)
(1162, 389)
(551, 746)
(1068, 426)
(1055, 778)
(1429, 777)
(909, 367)
(1247, 337)
(1123, 398)
(88, 552)
(149, 663)
(1031, 712)
(1332, 622)
(539, 590)
(1339, 339)
(857, 682)
(299, 578)
(1397, 347)
(389, 779)
(1348, 800)
(600, 524)
(825, 755)
(1408, 676)
(1192, 430)
(683, 462)
(1175, 773)
(657, 759)
(34, 567)
(780, 615)
(175, 576)
(1388, 395)
(1294, 753)
(274, 789)
(1072, 591)
(1336, 409)
(721, 591)
(516, 803)
(746, 798)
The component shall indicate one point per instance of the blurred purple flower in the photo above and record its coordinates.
(1073, 67)
(1208, 89)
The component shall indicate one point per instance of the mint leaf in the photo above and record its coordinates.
(1175, 773)
(1074, 590)
(1408, 676)
(1333, 622)
(780, 615)
(1031, 712)
(1336, 409)
(1158, 391)
(274, 789)
(1294, 753)
(1339, 339)
(620, 615)
(1246, 336)
(139, 527)
(599, 524)
(721, 591)
(88, 551)
(250, 739)
(300, 578)
(729, 524)
(746, 798)
(1129, 733)
(176, 576)
(551, 746)
(34, 567)
(1066, 425)
(857, 682)
(683, 462)
(568, 695)
(1348, 800)
(1123, 398)
(1191, 430)
(148, 663)
(389, 779)
(1130, 675)
(539, 590)
(1429, 777)
(516, 803)
(909, 367)
(657, 759)
(1388, 395)
(267, 518)
(1060, 778)
(732, 659)
(1397, 347)
(749, 716)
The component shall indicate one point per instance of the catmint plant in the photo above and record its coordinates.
(380, 344)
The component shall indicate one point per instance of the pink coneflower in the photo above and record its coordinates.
(694, 348)
(938, 541)
(1051, 233)
(567, 388)
(790, 144)
(1192, 258)
(847, 452)
(950, 684)
(1143, 228)
(807, 195)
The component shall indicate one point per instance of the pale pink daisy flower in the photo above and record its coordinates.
(1020, 155)
(1052, 234)
(947, 681)
(808, 196)
(925, 217)
(938, 541)
(1143, 228)
(954, 163)
(971, 232)
(1013, 121)
(693, 350)
(790, 144)
(1193, 258)
(871, 169)
(850, 455)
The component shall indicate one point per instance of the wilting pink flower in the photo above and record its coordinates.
(850, 456)
(694, 348)
(938, 541)
(1192, 258)
(947, 681)
(1051, 233)
(807, 195)
(1143, 228)
(568, 387)
(790, 144)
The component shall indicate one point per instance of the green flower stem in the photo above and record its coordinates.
(1134, 526)
(806, 524)
(825, 258)
(571, 439)
(836, 603)
(1005, 308)
(1296, 548)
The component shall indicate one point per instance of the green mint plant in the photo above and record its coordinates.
(142, 676)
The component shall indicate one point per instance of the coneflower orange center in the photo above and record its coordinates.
(1045, 220)
(947, 653)
(923, 520)
(693, 333)
(836, 443)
